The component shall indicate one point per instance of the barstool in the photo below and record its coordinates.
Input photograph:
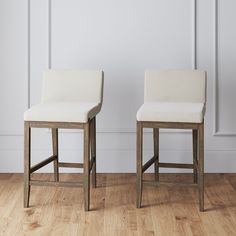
(71, 99)
(173, 99)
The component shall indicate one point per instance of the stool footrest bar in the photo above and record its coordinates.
(55, 184)
(91, 163)
(176, 165)
(149, 163)
(170, 184)
(70, 165)
(42, 163)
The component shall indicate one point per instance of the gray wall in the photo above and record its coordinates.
(123, 38)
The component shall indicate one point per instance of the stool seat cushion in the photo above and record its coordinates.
(186, 112)
(63, 112)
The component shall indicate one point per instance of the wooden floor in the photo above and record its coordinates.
(166, 211)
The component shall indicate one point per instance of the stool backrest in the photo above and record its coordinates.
(175, 86)
(72, 86)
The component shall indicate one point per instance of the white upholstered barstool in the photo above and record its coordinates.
(71, 99)
(173, 99)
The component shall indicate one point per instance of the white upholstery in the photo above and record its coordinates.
(63, 112)
(171, 112)
(175, 86)
(174, 96)
(68, 96)
(72, 86)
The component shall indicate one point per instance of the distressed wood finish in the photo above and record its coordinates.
(195, 154)
(27, 152)
(55, 184)
(149, 163)
(93, 151)
(171, 125)
(156, 152)
(201, 166)
(169, 184)
(55, 153)
(176, 165)
(88, 165)
(198, 157)
(42, 164)
(92, 162)
(139, 147)
(166, 212)
(56, 125)
(70, 165)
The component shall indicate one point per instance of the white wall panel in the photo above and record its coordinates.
(226, 69)
(13, 65)
(39, 46)
(123, 38)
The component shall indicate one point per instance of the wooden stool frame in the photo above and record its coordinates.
(89, 165)
(198, 157)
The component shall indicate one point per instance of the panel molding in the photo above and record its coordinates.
(49, 34)
(194, 34)
(216, 131)
(29, 55)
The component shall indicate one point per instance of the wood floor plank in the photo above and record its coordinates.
(165, 210)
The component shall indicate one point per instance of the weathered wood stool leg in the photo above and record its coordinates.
(93, 151)
(201, 166)
(139, 146)
(195, 154)
(27, 147)
(156, 152)
(86, 165)
(55, 153)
